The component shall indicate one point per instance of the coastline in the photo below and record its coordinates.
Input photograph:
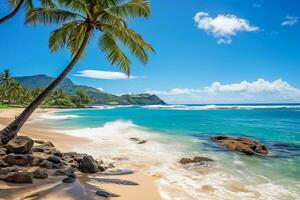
(146, 188)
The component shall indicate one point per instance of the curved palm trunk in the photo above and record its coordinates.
(12, 129)
(13, 13)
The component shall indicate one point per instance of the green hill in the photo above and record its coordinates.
(100, 97)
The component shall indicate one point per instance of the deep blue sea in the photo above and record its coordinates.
(176, 131)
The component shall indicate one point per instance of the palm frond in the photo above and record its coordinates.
(76, 38)
(122, 35)
(49, 16)
(74, 5)
(59, 38)
(107, 43)
(131, 9)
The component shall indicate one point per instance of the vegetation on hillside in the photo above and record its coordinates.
(14, 94)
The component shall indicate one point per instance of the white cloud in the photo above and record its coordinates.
(100, 89)
(105, 75)
(223, 27)
(289, 21)
(258, 91)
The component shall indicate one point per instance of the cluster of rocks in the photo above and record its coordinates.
(23, 159)
(243, 145)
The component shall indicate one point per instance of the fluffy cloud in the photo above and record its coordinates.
(223, 27)
(104, 75)
(289, 21)
(243, 92)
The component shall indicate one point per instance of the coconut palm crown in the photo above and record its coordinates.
(81, 18)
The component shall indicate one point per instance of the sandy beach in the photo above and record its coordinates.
(138, 185)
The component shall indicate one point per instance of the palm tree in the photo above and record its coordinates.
(5, 83)
(16, 6)
(79, 20)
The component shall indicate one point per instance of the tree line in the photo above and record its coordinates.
(12, 93)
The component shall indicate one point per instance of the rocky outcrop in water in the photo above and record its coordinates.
(243, 145)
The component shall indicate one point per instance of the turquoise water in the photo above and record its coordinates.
(276, 126)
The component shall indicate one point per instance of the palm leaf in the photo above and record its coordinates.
(107, 44)
(131, 9)
(59, 38)
(49, 16)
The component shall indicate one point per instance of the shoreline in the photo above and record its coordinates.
(146, 188)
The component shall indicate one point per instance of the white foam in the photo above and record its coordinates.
(53, 116)
(220, 107)
(159, 157)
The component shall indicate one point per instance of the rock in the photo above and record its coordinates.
(244, 145)
(88, 165)
(105, 194)
(18, 177)
(46, 164)
(20, 145)
(38, 149)
(39, 141)
(54, 159)
(8, 169)
(2, 163)
(18, 159)
(69, 180)
(48, 144)
(65, 172)
(40, 174)
(142, 142)
(101, 168)
(36, 161)
(56, 153)
(138, 140)
(68, 159)
(76, 156)
(195, 160)
(3, 151)
(135, 139)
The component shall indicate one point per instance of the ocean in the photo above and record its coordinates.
(176, 131)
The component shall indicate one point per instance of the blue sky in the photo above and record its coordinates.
(260, 46)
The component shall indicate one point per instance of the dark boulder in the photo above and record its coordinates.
(69, 180)
(17, 177)
(18, 159)
(46, 164)
(243, 145)
(88, 165)
(54, 159)
(40, 174)
(65, 172)
(20, 145)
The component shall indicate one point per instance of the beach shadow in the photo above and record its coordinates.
(85, 188)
